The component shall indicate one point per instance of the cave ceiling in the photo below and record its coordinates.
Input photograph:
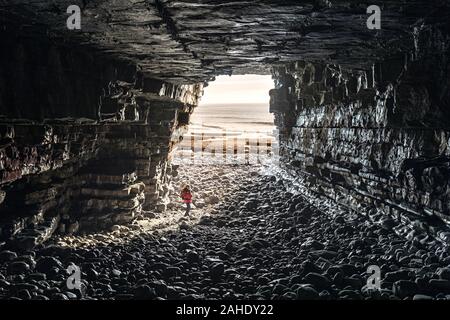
(188, 41)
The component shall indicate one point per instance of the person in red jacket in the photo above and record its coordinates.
(186, 195)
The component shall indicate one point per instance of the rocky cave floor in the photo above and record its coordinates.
(248, 238)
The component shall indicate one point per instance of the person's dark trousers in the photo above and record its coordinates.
(188, 208)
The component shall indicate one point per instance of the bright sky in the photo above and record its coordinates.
(238, 89)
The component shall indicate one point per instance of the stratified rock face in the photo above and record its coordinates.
(377, 137)
(83, 173)
(193, 40)
(82, 150)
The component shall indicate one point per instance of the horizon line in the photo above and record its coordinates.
(233, 103)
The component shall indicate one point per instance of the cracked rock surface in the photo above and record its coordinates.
(193, 40)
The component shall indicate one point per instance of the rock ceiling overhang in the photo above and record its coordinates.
(191, 41)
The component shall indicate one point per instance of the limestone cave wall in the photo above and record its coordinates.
(374, 139)
(85, 141)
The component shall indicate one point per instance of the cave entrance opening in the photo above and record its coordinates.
(232, 123)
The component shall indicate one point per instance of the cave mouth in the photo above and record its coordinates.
(91, 119)
(232, 123)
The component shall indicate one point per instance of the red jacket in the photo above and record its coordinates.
(186, 196)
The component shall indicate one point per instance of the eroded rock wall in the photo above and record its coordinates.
(85, 142)
(375, 139)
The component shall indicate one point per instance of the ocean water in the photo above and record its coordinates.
(233, 117)
(234, 129)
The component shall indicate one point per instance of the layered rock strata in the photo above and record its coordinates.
(375, 139)
(95, 159)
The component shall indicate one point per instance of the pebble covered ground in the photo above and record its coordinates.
(248, 237)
